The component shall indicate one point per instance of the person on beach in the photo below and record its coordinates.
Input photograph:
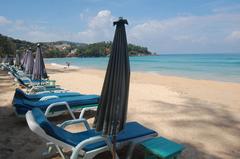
(68, 64)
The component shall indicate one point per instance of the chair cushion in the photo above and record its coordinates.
(131, 131)
(33, 81)
(20, 94)
(72, 101)
(23, 105)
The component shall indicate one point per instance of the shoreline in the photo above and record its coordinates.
(142, 72)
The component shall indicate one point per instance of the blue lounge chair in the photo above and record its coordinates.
(33, 85)
(20, 94)
(16, 72)
(27, 82)
(85, 144)
(26, 79)
(56, 106)
(31, 88)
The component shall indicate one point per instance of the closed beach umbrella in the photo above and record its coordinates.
(29, 63)
(6, 59)
(17, 60)
(24, 60)
(11, 62)
(39, 70)
(112, 111)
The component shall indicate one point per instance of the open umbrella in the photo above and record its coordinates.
(112, 111)
(29, 63)
(17, 60)
(39, 70)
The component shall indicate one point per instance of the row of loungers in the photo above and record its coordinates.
(51, 102)
(50, 99)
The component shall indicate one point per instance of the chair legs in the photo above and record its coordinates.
(52, 149)
(130, 150)
(60, 152)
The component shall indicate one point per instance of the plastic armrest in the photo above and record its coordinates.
(75, 121)
(48, 97)
(51, 106)
(88, 141)
(86, 109)
(42, 92)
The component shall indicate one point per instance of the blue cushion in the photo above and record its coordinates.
(20, 94)
(34, 81)
(132, 130)
(23, 105)
(72, 101)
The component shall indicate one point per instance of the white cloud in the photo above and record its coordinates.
(37, 35)
(187, 33)
(99, 28)
(235, 35)
(19, 25)
(4, 20)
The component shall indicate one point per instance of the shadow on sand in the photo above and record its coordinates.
(202, 117)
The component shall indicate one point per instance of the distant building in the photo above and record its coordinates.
(73, 51)
(63, 46)
(107, 51)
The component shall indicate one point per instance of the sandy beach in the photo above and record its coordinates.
(203, 115)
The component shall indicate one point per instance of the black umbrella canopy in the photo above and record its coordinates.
(39, 70)
(112, 111)
(29, 63)
(17, 60)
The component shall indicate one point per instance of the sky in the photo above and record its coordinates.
(165, 27)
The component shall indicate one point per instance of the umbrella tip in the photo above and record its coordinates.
(120, 21)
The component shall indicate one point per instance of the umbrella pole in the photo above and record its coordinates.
(114, 147)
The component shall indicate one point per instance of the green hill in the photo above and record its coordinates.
(10, 46)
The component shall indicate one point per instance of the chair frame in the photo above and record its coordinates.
(50, 113)
(78, 152)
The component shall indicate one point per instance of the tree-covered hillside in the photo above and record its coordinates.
(7, 46)
(65, 48)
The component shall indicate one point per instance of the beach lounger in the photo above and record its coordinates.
(31, 82)
(20, 94)
(16, 72)
(33, 85)
(26, 79)
(4, 66)
(54, 106)
(85, 144)
(38, 88)
(27, 82)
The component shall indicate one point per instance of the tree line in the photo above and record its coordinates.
(9, 46)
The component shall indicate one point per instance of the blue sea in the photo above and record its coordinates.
(221, 67)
